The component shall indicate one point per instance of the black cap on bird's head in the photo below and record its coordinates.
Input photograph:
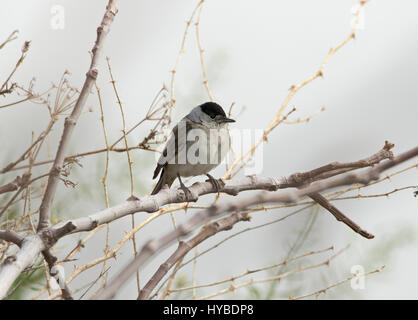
(215, 112)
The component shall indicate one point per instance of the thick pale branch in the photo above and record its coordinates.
(233, 187)
(14, 265)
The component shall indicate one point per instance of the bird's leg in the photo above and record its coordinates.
(187, 192)
(216, 183)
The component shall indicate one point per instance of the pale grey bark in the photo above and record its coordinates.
(14, 265)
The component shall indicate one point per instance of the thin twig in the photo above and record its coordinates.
(202, 60)
(10, 38)
(113, 82)
(252, 271)
(323, 291)
(104, 181)
(233, 288)
(181, 52)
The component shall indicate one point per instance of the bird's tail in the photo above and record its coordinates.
(164, 179)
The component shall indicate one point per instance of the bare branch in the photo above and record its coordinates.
(184, 247)
(24, 50)
(71, 121)
(11, 236)
(10, 38)
(169, 196)
(15, 184)
(15, 264)
(181, 52)
(321, 200)
(202, 60)
(153, 246)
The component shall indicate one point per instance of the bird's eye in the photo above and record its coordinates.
(213, 116)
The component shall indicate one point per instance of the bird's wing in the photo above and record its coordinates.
(173, 146)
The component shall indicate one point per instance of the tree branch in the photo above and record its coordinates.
(184, 247)
(152, 204)
(15, 264)
(15, 184)
(10, 38)
(153, 246)
(70, 122)
(11, 236)
(322, 201)
(49, 236)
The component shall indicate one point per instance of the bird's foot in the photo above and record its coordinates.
(218, 184)
(187, 193)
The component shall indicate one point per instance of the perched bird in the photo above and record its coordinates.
(198, 144)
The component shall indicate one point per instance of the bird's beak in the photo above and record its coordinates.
(226, 120)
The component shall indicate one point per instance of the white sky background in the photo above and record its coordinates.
(254, 51)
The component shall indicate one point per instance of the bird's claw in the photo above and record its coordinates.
(187, 193)
(218, 184)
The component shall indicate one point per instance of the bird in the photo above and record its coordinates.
(197, 145)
